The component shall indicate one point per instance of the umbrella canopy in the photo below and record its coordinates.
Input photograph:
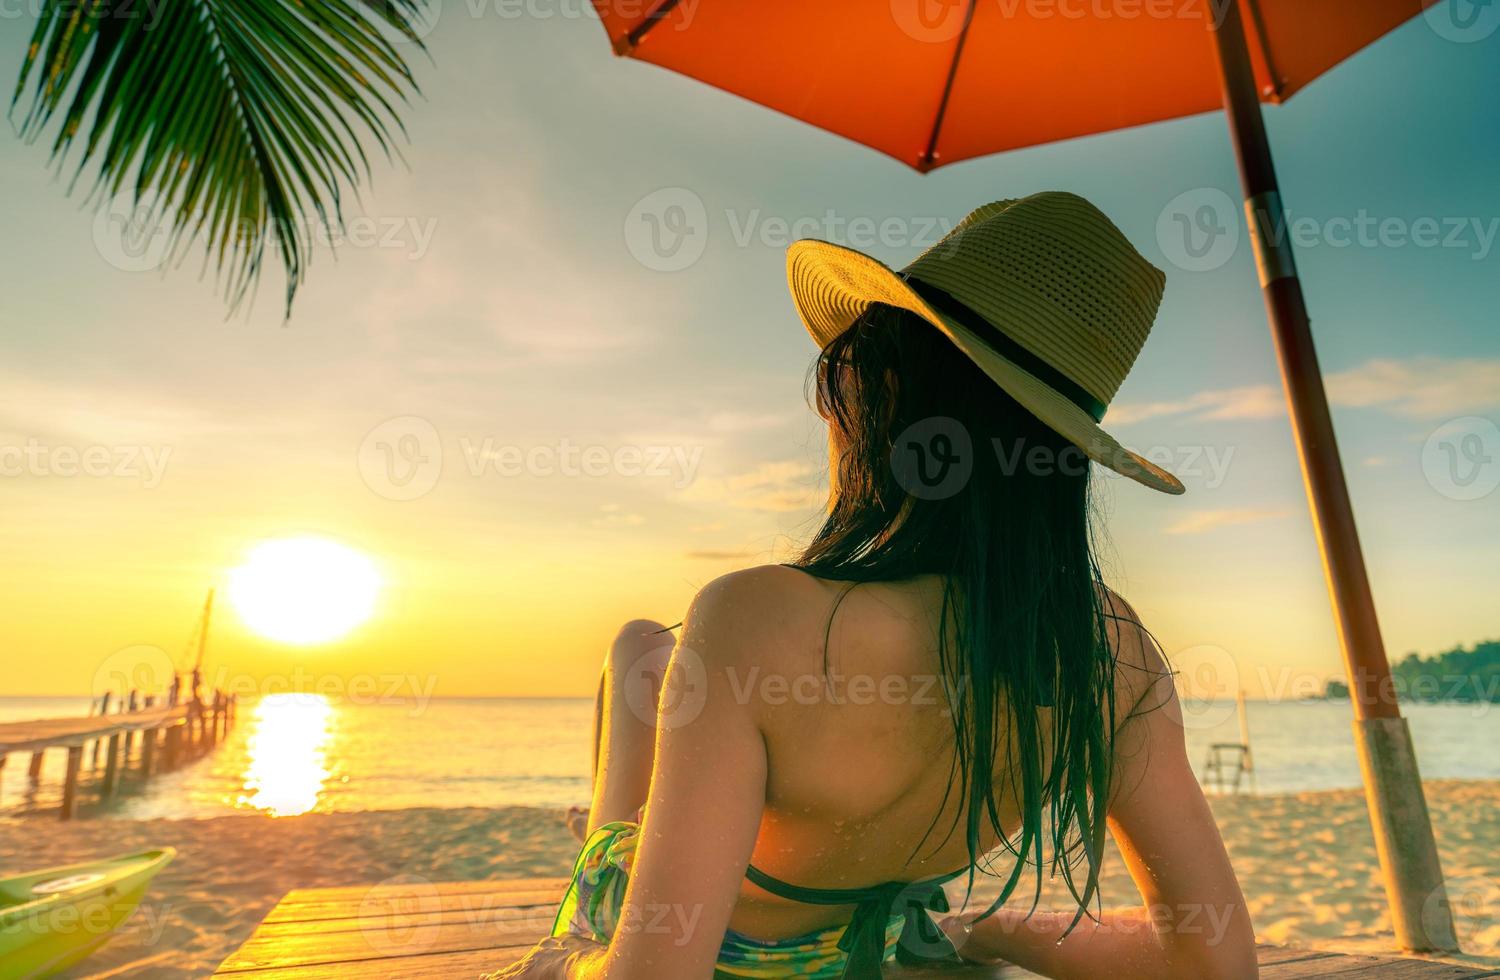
(933, 82)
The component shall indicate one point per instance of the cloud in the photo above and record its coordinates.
(1249, 402)
(710, 554)
(616, 516)
(737, 422)
(1201, 521)
(1423, 388)
(785, 485)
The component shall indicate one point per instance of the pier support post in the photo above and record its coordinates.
(35, 769)
(174, 746)
(112, 766)
(70, 782)
(148, 751)
(3, 757)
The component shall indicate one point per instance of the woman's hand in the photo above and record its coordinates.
(550, 959)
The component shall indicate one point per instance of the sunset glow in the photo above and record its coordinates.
(304, 591)
(287, 764)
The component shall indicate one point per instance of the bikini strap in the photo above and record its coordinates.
(874, 907)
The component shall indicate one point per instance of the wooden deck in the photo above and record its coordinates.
(420, 929)
(22, 736)
(173, 732)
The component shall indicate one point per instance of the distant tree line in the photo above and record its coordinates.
(1464, 675)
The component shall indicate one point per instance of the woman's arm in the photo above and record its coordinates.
(707, 793)
(1192, 923)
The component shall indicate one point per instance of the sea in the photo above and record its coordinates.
(298, 753)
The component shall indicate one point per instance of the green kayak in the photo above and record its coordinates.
(51, 919)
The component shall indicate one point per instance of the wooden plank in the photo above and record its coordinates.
(1268, 955)
(470, 963)
(391, 920)
(43, 732)
(520, 927)
(432, 966)
(1367, 968)
(420, 930)
(378, 904)
(418, 888)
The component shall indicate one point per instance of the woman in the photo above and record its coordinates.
(940, 686)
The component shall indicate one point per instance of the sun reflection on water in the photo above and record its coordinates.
(287, 753)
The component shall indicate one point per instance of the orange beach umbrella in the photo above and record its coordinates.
(932, 82)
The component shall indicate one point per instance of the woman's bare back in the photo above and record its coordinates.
(859, 753)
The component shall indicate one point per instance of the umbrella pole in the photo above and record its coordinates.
(1408, 855)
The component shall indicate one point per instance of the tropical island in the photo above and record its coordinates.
(1464, 675)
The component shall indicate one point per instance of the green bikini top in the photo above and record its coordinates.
(874, 908)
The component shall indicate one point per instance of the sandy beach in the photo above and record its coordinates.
(1306, 861)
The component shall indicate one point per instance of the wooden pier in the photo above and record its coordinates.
(430, 930)
(167, 736)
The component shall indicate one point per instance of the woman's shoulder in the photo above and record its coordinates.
(1143, 676)
(747, 613)
(747, 596)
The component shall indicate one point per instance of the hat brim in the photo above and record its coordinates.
(832, 285)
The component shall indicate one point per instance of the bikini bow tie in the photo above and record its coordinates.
(921, 940)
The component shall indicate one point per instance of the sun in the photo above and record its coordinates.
(304, 590)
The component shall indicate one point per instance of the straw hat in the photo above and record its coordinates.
(1044, 293)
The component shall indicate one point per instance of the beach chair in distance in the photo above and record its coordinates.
(1216, 766)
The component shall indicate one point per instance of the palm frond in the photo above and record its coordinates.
(237, 121)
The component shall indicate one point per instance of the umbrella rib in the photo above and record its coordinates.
(1265, 46)
(925, 161)
(634, 36)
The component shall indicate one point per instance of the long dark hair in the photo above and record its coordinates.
(939, 472)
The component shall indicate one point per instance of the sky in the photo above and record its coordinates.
(537, 426)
